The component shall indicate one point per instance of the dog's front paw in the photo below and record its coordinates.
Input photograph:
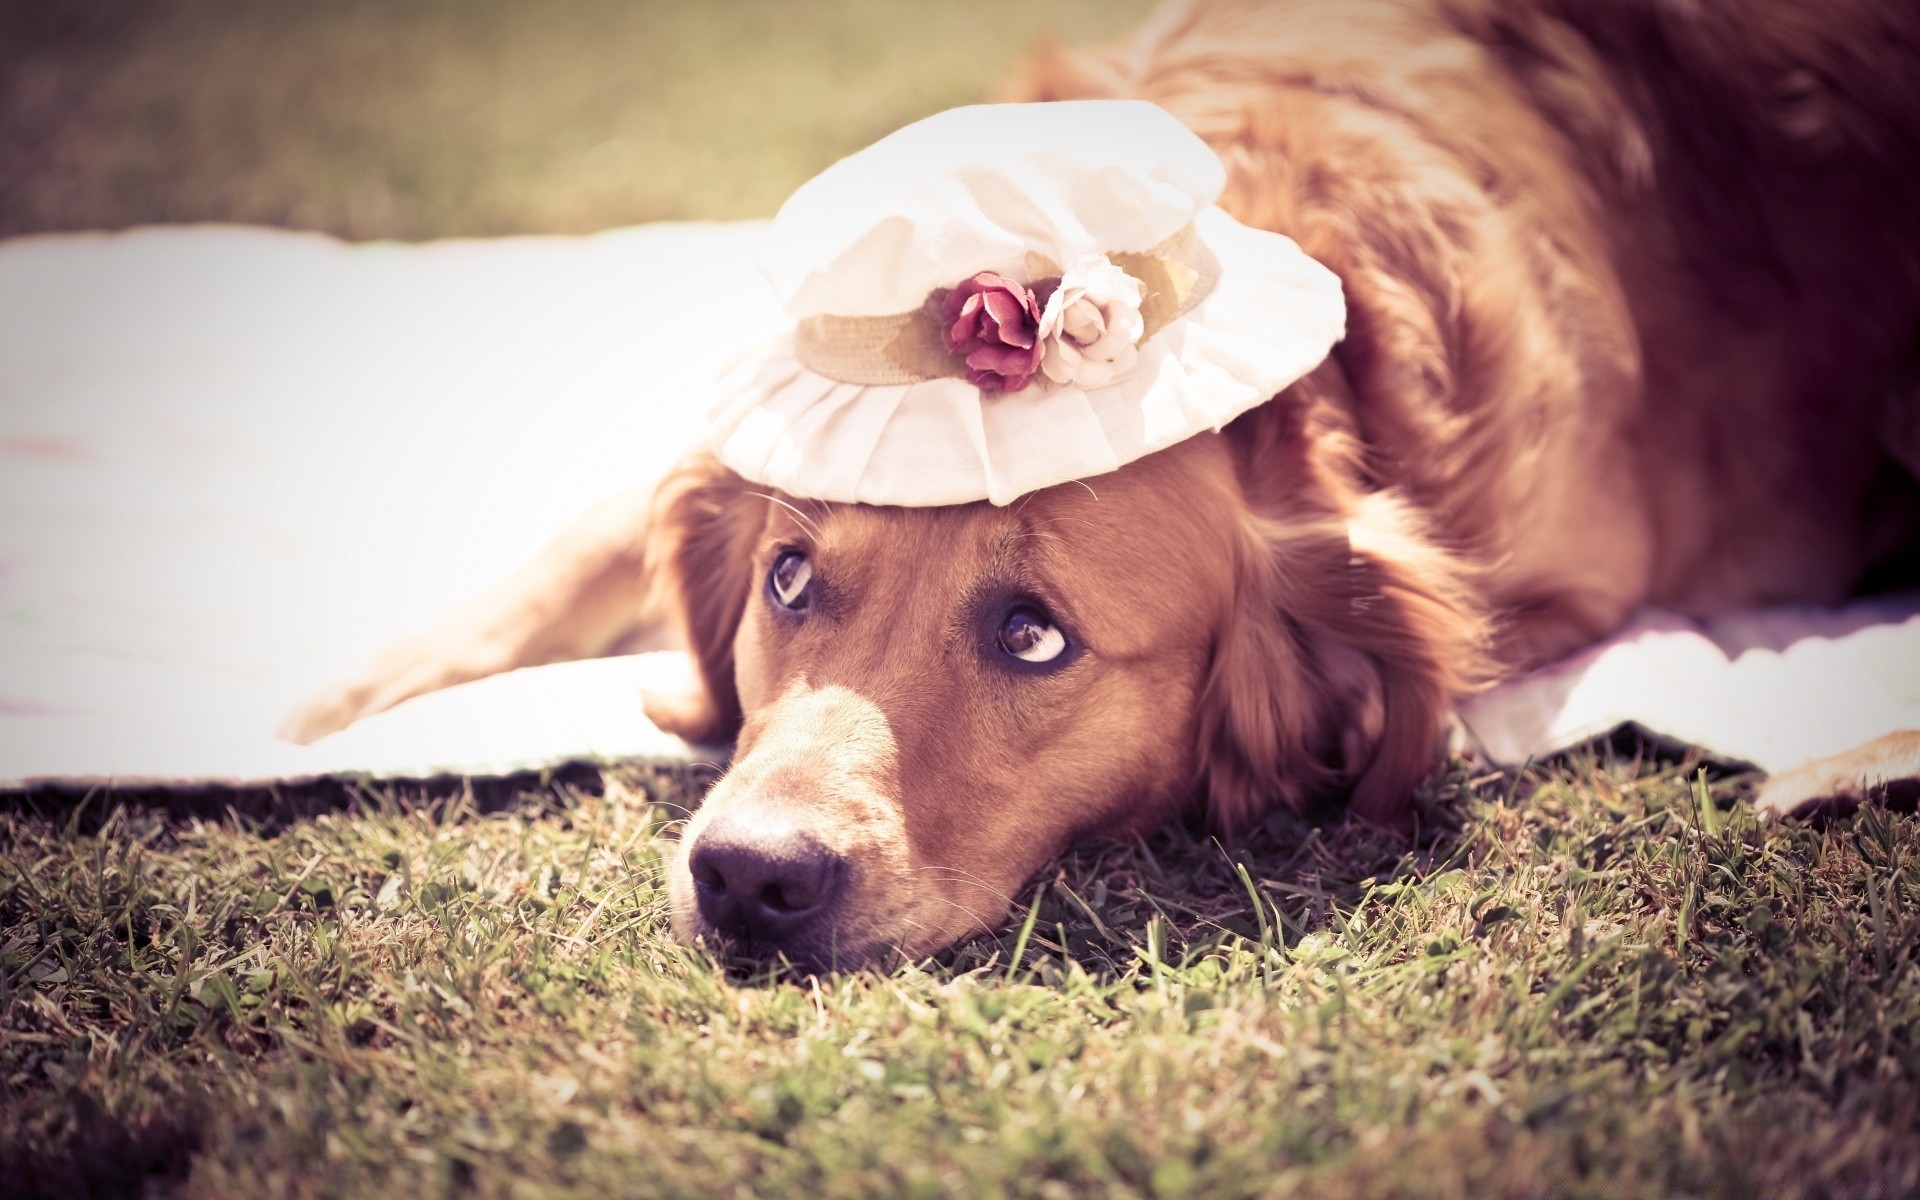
(346, 702)
(403, 672)
(1886, 771)
(329, 712)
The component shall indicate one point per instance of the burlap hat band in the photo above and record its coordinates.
(1177, 274)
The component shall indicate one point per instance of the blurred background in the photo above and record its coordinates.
(416, 119)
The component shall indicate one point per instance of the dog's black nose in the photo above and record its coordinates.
(762, 884)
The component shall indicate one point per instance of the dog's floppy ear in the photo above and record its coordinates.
(1257, 715)
(1406, 641)
(1348, 639)
(699, 554)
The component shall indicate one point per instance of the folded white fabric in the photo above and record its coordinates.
(237, 463)
(1775, 687)
(1005, 297)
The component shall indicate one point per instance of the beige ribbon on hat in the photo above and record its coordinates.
(909, 347)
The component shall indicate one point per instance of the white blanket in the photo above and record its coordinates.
(234, 463)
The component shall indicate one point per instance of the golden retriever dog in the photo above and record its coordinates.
(1634, 292)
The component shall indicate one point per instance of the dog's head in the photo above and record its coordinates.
(930, 703)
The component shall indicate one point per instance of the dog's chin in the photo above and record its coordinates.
(760, 958)
(828, 952)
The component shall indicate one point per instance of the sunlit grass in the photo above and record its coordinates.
(1592, 980)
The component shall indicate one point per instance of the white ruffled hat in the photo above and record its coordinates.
(1009, 296)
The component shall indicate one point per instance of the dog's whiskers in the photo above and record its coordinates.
(966, 877)
(1061, 520)
(811, 525)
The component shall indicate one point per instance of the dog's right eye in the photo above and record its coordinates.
(1029, 636)
(790, 580)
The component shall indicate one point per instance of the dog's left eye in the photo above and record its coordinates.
(790, 579)
(1029, 636)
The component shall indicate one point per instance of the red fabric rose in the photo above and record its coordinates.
(994, 323)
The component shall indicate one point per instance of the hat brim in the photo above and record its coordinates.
(1272, 317)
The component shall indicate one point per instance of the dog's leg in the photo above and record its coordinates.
(583, 596)
(1885, 771)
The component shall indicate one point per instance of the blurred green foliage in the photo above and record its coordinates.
(435, 118)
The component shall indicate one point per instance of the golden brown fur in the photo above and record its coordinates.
(1634, 294)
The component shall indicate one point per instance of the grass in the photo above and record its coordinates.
(433, 118)
(1604, 978)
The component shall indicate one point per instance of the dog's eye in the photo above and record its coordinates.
(790, 580)
(1027, 635)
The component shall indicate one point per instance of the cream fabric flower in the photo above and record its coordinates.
(1091, 326)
